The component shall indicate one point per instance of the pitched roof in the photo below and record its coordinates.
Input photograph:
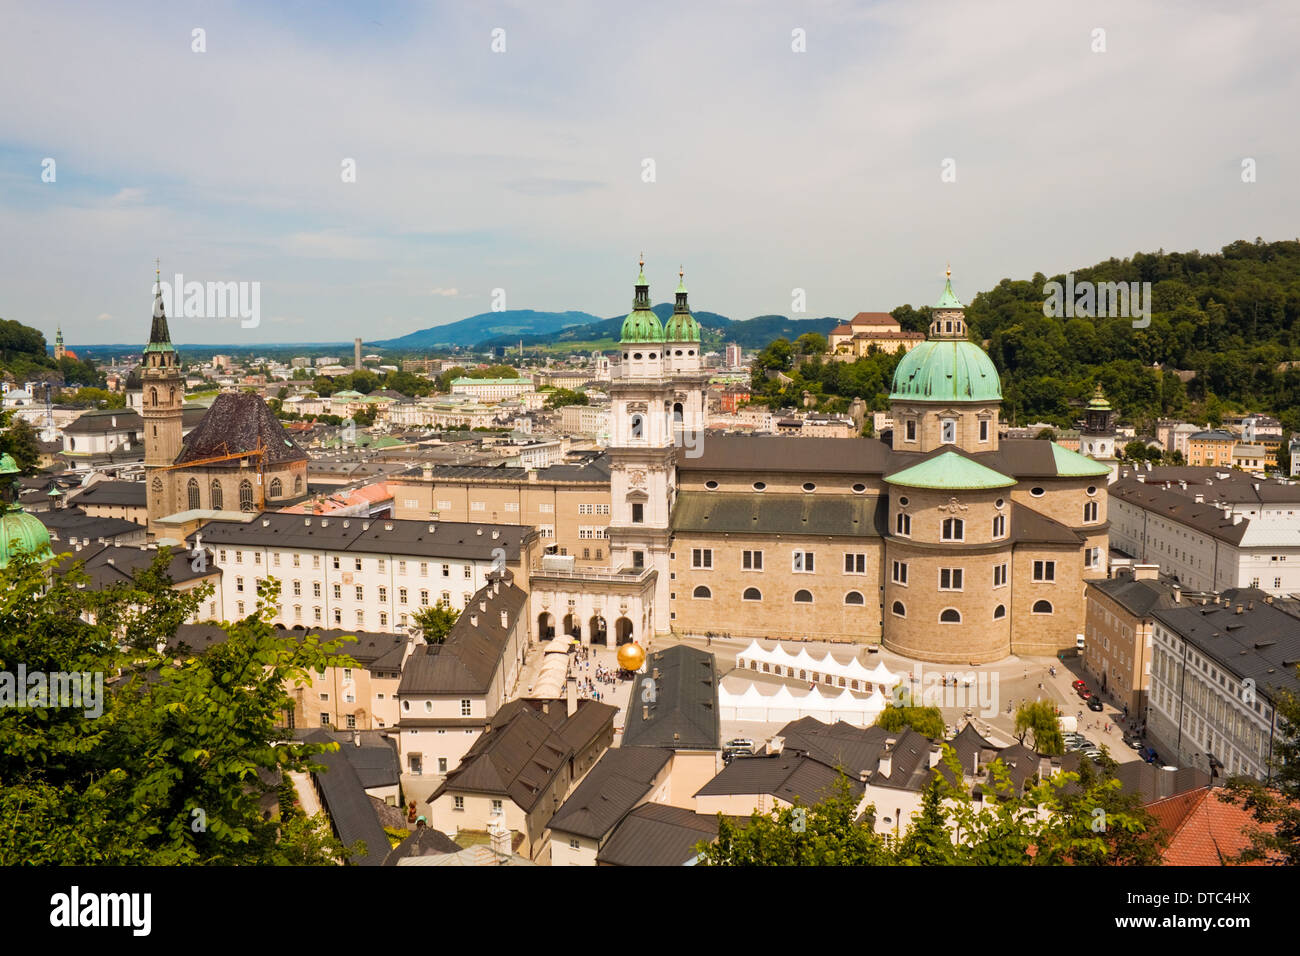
(837, 745)
(699, 511)
(657, 835)
(348, 805)
(756, 453)
(473, 650)
(125, 493)
(1028, 525)
(108, 564)
(424, 841)
(617, 783)
(682, 712)
(100, 421)
(1205, 829)
(788, 776)
(239, 422)
(950, 470)
(1070, 464)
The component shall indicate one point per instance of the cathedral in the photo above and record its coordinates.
(238, 458)
(944, 543)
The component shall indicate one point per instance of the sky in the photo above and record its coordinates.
(901, 138)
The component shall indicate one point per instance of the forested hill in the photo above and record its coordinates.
(1232, 319)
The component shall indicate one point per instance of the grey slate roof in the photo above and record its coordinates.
(108, 564)
(239, 422)
(68, 523)
(617, 783)
(762, 513)
(424, 841)
(657, 835)
(684, 713)
(789, 776)
(1139, 598)
(1261, 643)
(348, 805)
(1178, 507)
(101, 421)
(466, 661)
(753, 453)
(431, 539)
(120, 493)
(837, 745)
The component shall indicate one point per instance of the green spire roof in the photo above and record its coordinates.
(1070, 464)
(949, 298)
(1098, 401)
(681, 325)
(948, 370)
(641, 324)
(950, 472)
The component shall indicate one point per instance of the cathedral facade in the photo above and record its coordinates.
(944, 543)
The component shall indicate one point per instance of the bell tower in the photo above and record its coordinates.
(162, 400)
(642, 454)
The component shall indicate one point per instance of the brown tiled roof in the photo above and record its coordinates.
(657, 835)
(1204, 828)
(239, 422)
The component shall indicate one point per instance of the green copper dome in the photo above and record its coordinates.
(949, 298)
(19, 531)
(681, 325)
(948, 370)
(641, 324)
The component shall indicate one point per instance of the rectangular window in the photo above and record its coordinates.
(316, 613)
(900, 572)
(546, 508)
(477, 505)
(702, 557)
(315, 589)
(223, 555)
(465, 707)
(999, 575)
(948, 431)
(297, 588)
(855, 564)
(336, 562)
(338, 592)
(358, 564)
(382, 565)
(383, 595)
(360, 593)
(638, 513)
(458, 803)
(446, 570)
(296, 560)
(984, 429)
(950, 579)
(315, 561)
(1044, 570)
(903, 524)
(275, 558)
(239, 557)
(424, 569)
(910, 429)
(401, 595)
(512, 506)
(239, 584)
(801, 562)
(469, 571)
(442, 765)
(751, 560)
(401, 567)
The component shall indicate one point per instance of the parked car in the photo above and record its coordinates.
(1094, 703)
(1082, 691)
(1081, 745)
(1079, 683)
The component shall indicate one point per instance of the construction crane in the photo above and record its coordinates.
(259, 452)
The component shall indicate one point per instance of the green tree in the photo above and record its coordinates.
(1040, 719)
(825, 834)
(168, 772)
(436, 622)
(924, 720)
(561, 397)
(811, 343)
(928, 841)
(20, 440)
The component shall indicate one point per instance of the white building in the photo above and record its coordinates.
(370, 574)
(491, 389)
(1217, 668)
(1210, 536)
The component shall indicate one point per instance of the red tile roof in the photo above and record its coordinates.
(1205, 829)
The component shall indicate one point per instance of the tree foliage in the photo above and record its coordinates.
(924, 720)
(436, 621)
(1040, 719)
(171, 771)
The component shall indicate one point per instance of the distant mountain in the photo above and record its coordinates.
(511, 325)
(491, 329)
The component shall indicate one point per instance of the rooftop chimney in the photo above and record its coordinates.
(505, 619)
(936, 753)
(482, 605)
(1146, 572)
(500, 835)
(645, 711)
(776, 745)
(473, 620)
(356, 738)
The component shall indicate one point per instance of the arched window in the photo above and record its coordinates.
(638, 425)
(214, 495)
(950, 615)
(802, 596)
(153, 395)
(277, 489)
(752, 594)
(702, 592)
(903, 524)
(854, 597)
(1089, 511)
(171, 395)
(297, 484)
(899, 610)
(999, 612)
(1042, 607)
(999, 526)
(192, 491)
(954, 529)
(245, 495)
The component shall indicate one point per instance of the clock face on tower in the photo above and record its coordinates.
(636, 478)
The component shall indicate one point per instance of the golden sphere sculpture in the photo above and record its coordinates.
(631, 656)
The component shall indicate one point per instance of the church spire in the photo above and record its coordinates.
(160, 339)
